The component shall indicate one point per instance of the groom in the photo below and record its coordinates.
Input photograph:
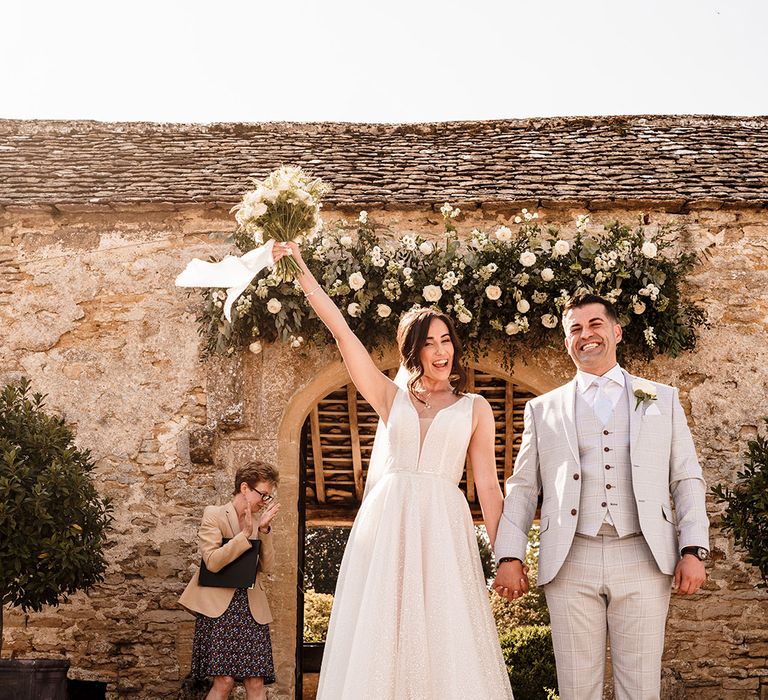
(610, 454)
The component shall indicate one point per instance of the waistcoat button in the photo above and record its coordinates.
(606, 449)
(573, 511)
(576, 476)
(608, 486)
(603, 504)
(605, 432)
(607, 466)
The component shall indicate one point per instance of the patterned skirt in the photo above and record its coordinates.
(233, 644)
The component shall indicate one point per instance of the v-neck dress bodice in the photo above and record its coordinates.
(437, 446)
(411, 616)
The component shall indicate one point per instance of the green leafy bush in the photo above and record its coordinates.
(530, 662)
(53, 522)
(746, 512)
(317, 612)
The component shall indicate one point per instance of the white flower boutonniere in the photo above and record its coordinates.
(643, 391)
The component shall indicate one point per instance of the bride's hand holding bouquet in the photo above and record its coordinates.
(285, 208)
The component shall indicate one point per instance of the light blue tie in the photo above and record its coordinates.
(602, 406)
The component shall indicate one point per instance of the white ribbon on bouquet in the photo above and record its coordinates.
(233, 273)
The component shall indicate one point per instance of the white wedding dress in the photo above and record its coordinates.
(411, 618)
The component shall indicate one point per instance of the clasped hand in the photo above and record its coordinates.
(511, 580)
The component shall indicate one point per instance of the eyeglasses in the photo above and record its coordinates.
(266, 497)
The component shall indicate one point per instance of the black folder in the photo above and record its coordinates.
(240, 573)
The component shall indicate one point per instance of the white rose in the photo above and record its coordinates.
(512, 329)
(523, 306)
(549, 320)
(274, 306)
(649, 249)
(426, 248)
(638, 307)
(383, 310)
(562, 247)
(296, 342)
(465, 317)
(493, 292)
(644, 386)
(407, 272)
(346, 241)
(503, 234)
(255, 347)
(258, 210)
(354, 309)
(432, 293)
(363, 218)
(518, 220)
(527, 258)
(356, 281)
(547, 274)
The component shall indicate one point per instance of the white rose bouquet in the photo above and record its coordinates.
(285, 206)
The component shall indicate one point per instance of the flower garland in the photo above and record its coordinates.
(504, 289)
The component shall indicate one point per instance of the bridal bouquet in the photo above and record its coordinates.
(285, 206)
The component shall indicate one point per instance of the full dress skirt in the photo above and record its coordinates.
(411, 617)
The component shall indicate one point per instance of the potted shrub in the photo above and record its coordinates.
(53, 526)
(746, 512)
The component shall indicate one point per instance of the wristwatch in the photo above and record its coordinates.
(699, 552)
(503, 559)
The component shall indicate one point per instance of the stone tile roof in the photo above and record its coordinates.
(602, 159)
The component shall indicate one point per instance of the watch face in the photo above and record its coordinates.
(703, 553)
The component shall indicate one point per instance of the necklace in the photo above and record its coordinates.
(425, 400)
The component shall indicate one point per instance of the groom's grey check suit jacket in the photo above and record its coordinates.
(664, 471)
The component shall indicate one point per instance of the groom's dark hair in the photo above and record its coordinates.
(583, 298)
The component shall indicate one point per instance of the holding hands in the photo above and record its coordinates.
(511, 580)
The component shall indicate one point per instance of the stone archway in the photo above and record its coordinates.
(301, 416)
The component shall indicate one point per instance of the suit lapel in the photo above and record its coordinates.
(569, 417)
(231, 519)
(635, 416)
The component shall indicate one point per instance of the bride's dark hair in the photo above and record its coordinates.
(412, 335)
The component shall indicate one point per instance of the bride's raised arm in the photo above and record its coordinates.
(376, 387)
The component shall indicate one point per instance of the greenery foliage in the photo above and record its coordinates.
(530, 661)
(504, 288)
(746, 512)
(53, 522)
(323, 551)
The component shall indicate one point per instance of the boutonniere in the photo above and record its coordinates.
(643, 391)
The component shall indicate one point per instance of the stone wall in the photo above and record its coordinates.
(90, 314)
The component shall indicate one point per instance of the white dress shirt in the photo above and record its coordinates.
(613, 389)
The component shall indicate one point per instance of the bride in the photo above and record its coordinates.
(410, 616)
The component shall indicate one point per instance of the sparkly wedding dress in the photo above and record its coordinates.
(411, 618)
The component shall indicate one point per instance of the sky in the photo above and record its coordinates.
(380, 62)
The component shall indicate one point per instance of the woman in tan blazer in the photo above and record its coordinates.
(232, 627)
